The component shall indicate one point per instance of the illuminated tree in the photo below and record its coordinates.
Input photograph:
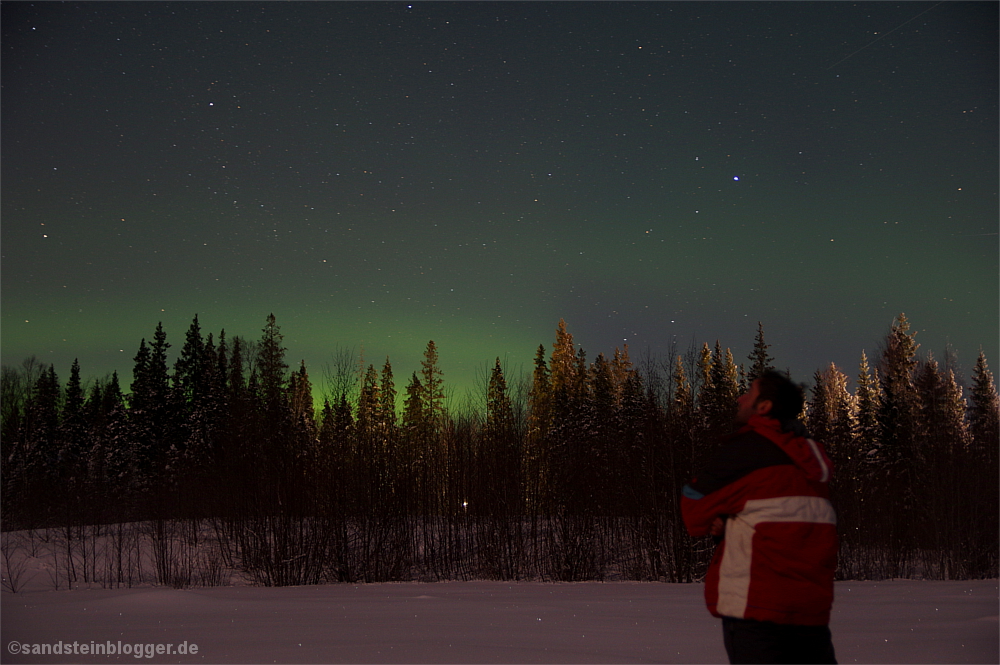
(868, 395)
(984, 413)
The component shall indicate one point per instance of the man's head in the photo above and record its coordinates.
(772, 395)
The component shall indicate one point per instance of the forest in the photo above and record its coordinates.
(221, 464)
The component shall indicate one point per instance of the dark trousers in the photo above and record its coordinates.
(749, 641)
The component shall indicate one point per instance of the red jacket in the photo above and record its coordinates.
(779, 554)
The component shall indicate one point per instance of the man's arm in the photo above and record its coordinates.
(716, 491)
(703, 513)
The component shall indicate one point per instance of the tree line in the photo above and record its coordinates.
(569, 473)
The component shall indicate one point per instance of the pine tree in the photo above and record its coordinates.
(369, 401)
(187, 413)
(940, 412)
(73, 407)
(235, 383)
(419, 452)
(832, 415)
(140, 374)
(158, 380)
(392, 470)
(897, 466)
(869, 407)
(43, 426)
(899, 403)
(540, 397)
(984, 413)
(433, 387)
(387, 400)
(105, 416)
(728, 386)
(337, 464)
(562, 366)
(979, 482)
(760, 361)
(499, 413)
(720, 386)
(413, 406)
(271, 366)
(621, 371)
(703, 377)
(222, 368)
(499, 472)
(73, 428)
(188, 368)
(536, 471)
(300, 400)
(149, 423)
(683, 402)
(818, 419)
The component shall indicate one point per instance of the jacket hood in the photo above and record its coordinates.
(793, 439)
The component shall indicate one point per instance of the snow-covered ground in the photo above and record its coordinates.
(480, 622)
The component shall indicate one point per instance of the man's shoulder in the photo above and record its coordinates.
(739, 455)
(755, 447)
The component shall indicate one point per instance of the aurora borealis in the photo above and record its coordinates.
(381, 174)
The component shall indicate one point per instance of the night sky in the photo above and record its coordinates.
(378, 175)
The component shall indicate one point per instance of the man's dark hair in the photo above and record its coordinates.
(786, 397)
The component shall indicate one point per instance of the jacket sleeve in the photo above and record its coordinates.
(700, 510)
(720, 489)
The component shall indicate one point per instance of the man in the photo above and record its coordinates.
(765, 493)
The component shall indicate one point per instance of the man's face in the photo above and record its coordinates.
(749, 404)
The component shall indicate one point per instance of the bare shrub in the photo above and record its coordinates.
(15, 562)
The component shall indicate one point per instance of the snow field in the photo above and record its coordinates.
(899, 621)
